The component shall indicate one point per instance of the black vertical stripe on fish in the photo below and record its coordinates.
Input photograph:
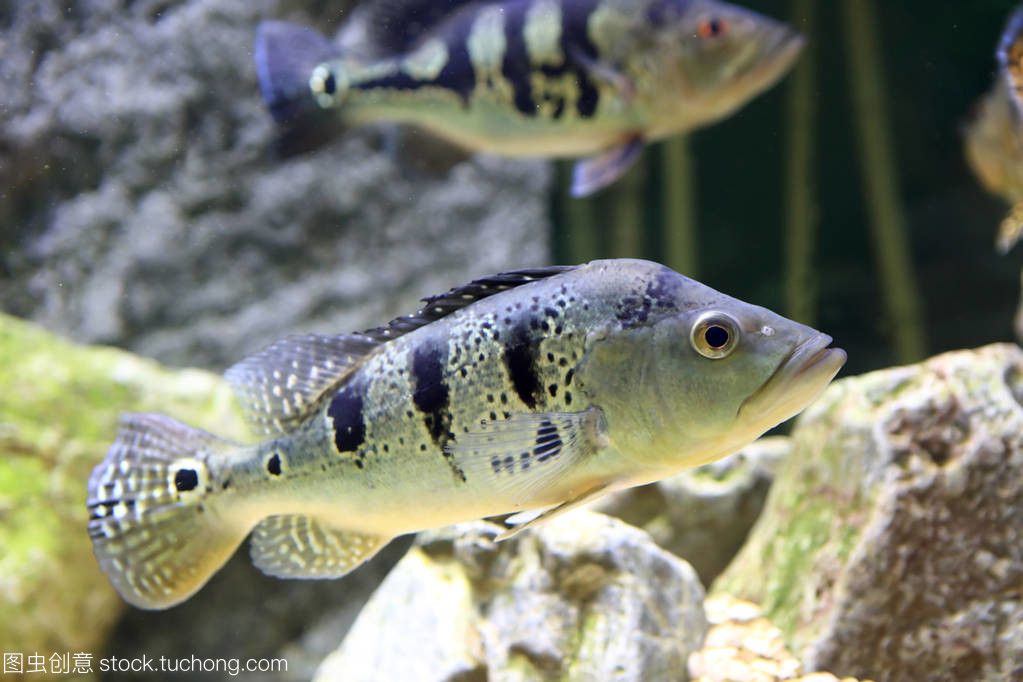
(520, 360)
(516, 66)
(430, 393)
(347, 412)
(457, 75)
(577, 48)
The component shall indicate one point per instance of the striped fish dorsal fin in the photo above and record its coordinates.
(442, 305)
(1010, 61)
(280, 386)
(395, 26)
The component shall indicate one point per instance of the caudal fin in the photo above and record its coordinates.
(152, 530)
(286, 55)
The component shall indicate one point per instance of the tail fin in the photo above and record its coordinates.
(286, 55)
(152, 531)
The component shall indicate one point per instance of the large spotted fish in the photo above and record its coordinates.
(548, 78)
(530, 390)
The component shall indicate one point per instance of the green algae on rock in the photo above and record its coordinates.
(58, 413)
(890, 546)
(583, 597)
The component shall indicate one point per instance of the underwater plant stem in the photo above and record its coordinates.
(800, 206)
(678, 200)
(626, 211)
(888, 222)
(579, 221)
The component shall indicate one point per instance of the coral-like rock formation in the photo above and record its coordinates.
(891, 545)
(584, 597)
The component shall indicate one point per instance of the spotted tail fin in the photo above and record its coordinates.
(150, 521)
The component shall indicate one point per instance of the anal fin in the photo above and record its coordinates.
(597, 172)
(568, 505)
(299, 546)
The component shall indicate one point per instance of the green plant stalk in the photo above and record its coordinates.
(678, 199)
(800, 205)
(888, 222)
(578, 220)
(626, 211)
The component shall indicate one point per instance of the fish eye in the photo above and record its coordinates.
(715, 335)
(711, 27)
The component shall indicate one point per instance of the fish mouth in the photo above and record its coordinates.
(796, 382)
(776, 57)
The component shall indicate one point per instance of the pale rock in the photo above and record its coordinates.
(583, 597)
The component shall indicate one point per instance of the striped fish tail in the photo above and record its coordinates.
(152, 530)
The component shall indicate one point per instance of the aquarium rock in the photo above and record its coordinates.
(143, 205)
(743, 646)
(890, 546)
(59, 404)
(584, 597)
(703, 515)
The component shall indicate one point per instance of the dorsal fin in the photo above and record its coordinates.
(395, 26)
(442, 305)
(280, 386)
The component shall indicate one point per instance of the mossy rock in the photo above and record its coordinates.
(59, 410)
(889, 546)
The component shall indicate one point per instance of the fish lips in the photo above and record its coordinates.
(777, 56)
(797, 381)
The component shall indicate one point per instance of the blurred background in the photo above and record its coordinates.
(140, 208)
(774, 205)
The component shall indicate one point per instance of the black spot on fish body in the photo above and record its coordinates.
(330, 84)
(346, 411)
(430, 393)
(665, 289)
(520, 361)
(273, 464)
(661, 12)
(185, 480)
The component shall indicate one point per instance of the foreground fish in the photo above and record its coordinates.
(550, 78)
(536, 389)
(994, 139)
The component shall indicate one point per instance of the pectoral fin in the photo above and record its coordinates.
(527, 453)
(597, 172)
(567, 505)
(605, 73)
(297, 546)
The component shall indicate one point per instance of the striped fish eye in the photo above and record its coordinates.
(711, 27)
(714, 335)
